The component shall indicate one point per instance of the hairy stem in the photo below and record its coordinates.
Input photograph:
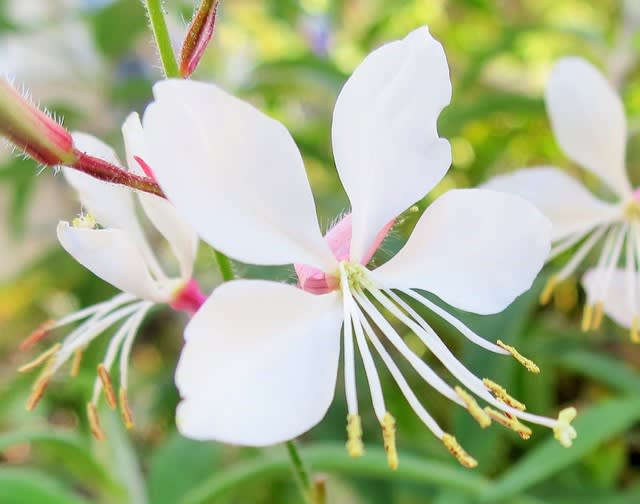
(161, 35)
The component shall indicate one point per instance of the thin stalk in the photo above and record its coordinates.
(161, 35)
(302, 476)
(224, 265)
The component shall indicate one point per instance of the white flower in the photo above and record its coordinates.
(589, 123)
(119, 253)
(261, 358)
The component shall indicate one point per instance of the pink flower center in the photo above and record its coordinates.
(338, 238)
(188, 299)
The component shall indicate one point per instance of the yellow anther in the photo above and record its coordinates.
(635, 325)
(75, 364)
(547, 292)
(36, 336)
(125, 411)
(587, 318)
(527, 363)
(94, 422)
(107, 386)
(510, 422)
(40, 359)
(563, 431)
(501, 393)
(389, 438)
(458, 452)
(355, 447)
(37, 391)
(87, 221)
(598, 314)
(474, 409)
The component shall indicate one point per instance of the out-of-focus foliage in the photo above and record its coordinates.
(93, 62)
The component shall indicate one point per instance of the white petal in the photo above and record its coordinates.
(566, 202)
(616, 302)
(235, 174)
(111, 204)
(588, 120)
(476, 249)
(259, 365)
(385, 139)
(164, 216)
(111, 254)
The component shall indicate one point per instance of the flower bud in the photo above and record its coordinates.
(198, 36)
(32, 130)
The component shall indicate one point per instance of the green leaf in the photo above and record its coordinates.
(22, 486)
(179, 465)
(604, 369)
(596, 425)
(68, 450)
(333, 458)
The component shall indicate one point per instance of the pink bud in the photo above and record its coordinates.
(189, 298)
(198, 36)
(32, 130)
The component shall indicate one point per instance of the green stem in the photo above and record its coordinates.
(161, 35)
(224, 265)
(302, 476)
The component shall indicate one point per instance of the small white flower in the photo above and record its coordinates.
(589, 123)
(261, 358)
(118, 252)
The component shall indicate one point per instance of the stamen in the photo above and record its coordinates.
(349, 354)
(587, 318)
(355, 448)
(598, 314)
(563, 431)
(582, 252)
(107, 386)
(75, 364)
(38, 390)
(547, 292)
(389, 438)
(474, 409)
(38, 335)
(94, 422)
(635, 325)
(501, 393)
(509, 421)
(125, 410)
(530, 366)
(40, 359)
(458, 452)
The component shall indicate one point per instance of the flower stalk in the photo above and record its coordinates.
(161, 34)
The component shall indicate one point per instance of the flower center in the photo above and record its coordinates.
(632, 209)
(356, 276)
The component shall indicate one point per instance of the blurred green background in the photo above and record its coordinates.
(94, 61)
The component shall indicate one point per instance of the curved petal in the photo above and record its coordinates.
(111, 204)
(164, 216)
(475, 249)
(235, 175)
(385, 138)
(111, 254)
(588, 120)
(260, 363)
(616, 301)
(566, 202)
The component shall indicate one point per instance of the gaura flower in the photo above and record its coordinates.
(110, 242)
(260, 361)
(588, 120)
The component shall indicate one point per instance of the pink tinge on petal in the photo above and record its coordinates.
(636, 194)
(188, 299)
(338, 238)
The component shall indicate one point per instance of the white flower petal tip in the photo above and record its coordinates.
(385, 131)
(569, 206)
(239, 169)
(563, 431)
(476, 249)
(238, 374)
(589, 121)
(112, 255)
